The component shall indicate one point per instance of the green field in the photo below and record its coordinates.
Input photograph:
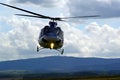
(91, 75)
(78, 78)
(69, 78)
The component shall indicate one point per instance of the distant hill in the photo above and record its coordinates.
(61, 64)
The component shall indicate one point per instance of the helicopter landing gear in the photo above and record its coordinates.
(61, 51)
(39, 48)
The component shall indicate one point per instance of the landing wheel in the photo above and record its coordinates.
(37, 49)
(62, 51)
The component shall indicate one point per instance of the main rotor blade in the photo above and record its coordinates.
(36, 15)
(58, 19)
(41, 16)
(30, 16)
(81, 17)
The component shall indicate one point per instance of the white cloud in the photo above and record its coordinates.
(94, 41)
(20, 40)
(103, 38)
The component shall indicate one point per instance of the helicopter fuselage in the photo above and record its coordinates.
(51, 37)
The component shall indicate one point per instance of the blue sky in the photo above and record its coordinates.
(83, 37)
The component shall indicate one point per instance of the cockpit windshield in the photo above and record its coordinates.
(47, 30)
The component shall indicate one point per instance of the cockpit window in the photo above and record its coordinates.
(47, 30)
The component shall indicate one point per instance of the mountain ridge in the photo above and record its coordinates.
(61, 64)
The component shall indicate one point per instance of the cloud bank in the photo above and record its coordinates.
(94, 41)
(104, 8)
(44, 3)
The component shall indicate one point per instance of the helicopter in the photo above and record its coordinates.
(51, 36)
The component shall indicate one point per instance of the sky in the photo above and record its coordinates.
(92, 37)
